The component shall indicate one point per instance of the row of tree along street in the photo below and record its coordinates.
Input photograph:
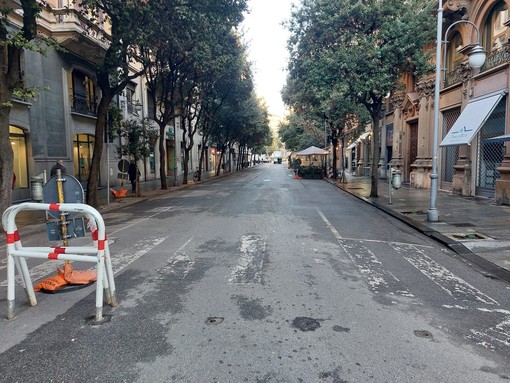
(345, 58)
(190, 55)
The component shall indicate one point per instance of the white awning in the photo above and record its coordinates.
(358, 140)
(471, 119)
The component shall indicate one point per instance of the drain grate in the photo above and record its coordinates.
(468, 236)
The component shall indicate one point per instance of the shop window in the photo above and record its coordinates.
(19, 149)
(495, 32)
(82, 93)
(83, 148)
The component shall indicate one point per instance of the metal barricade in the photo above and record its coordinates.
(99, 254)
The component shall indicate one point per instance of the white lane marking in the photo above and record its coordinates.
(251, 260)
(441, 276)
(329, 225)
(180, 263)
(379, 279)
(139, 221)
(499, 334)
(121, 260)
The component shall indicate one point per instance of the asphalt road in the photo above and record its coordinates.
(258, 277)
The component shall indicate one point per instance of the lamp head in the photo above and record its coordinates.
(477, 57)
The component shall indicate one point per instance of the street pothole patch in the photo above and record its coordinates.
(214, 320)
(306, 324)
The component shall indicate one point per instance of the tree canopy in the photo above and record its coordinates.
(345, 54)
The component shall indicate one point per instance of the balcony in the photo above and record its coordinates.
(81, 105)
(496, 58)
(79, 35)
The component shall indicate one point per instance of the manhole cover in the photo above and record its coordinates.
(214, 320)
(306, 324)
(423, 334)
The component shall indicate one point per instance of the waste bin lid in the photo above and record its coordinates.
(37, 178)
(73, 193)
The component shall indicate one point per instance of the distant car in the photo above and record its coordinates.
(277, 160)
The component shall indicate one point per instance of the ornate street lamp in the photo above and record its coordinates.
(476, 59)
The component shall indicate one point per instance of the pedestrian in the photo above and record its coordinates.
(58, 165)
(132, 172)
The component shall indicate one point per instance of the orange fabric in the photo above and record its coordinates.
(50, 284)
(76, 277)
(118, 194)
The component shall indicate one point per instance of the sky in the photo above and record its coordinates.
(267, 49)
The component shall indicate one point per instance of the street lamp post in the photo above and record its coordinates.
(476, 58)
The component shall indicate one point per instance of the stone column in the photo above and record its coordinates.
(420, 175)
(461, 183)
(397, 160)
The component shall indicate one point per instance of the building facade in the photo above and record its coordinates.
(476, 99)
(60, 123)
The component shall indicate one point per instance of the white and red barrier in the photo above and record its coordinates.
(99, 253)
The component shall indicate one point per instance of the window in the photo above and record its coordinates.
(453, 57)
(82, 93)
(19, 149)
(130, 100)
(495, 29)
(83, 148)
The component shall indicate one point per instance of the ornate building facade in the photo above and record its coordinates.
(477, 166)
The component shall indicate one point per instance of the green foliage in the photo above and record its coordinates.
(138, 139)
(310, 171)
(298, 132)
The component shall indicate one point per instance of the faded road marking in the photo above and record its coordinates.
(251, 260)
(444, 278)
(369, 266)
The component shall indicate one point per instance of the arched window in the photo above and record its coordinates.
(83, 148)
(19, 148)
(453, 57)
(495, 31)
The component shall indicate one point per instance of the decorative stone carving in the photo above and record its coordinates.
(457, 6)
(410, 106)
(426, 88)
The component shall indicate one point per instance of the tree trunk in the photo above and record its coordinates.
(6, 156)
(374, 176)
(162, 156)
(93, 180)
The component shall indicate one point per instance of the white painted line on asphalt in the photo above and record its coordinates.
(251, 260)
(140, 221)
(180, 264)
(444, 278)
(499, 334)
(329, 225)
(369, 266)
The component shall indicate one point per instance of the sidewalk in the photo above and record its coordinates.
(477, 229)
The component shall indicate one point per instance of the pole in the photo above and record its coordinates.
(107, 173)
(432, 213)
